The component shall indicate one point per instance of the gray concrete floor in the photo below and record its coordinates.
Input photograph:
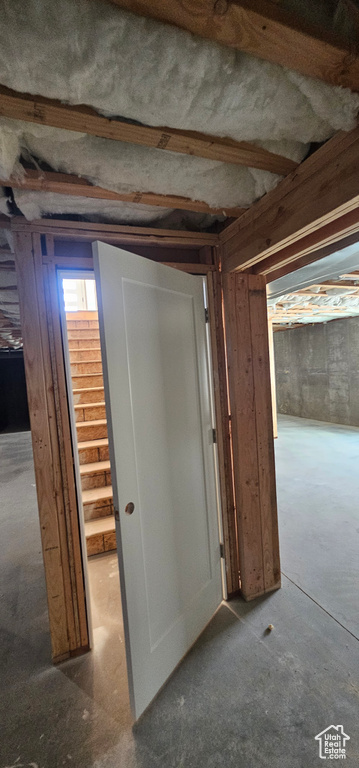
(242, 698)
(318, 502)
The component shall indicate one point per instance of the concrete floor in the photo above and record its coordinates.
(242, 698)
(318, 502)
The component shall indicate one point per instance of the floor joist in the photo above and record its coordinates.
(263, 29)
(42, 111)
(66, 184)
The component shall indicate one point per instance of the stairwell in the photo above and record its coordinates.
(90, 415)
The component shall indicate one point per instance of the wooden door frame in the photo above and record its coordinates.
(38, 256)
(239, 345)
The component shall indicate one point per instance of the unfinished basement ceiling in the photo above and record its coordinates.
(332, 299)
(10, 330)
(88, 52)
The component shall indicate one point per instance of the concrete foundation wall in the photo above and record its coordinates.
(317, 371)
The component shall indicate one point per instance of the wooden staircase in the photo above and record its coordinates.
(90, 414)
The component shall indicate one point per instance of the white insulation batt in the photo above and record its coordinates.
(88, 52)
(35, 205)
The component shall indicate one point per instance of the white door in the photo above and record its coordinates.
(153, 338)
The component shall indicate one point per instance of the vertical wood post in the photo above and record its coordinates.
(245, 308)
(272, 378)
(68, 627)
(221, 401)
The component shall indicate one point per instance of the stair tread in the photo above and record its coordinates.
(99, 442)
(85, 362)
(88, 405)
(93, 423)
(85, 375)
(77, 391)
(86, 349)
(101, 525)
(95, 466)
(96, 494)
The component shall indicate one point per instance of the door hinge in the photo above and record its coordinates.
(221, 550)
(206, 315)
(214, 435)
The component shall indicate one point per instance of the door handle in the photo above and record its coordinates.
(129, 508)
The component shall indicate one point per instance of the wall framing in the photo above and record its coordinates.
(239, 340)
(38, 254)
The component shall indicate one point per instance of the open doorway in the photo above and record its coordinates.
(86, 397)
(155, 355)
(85, 382)
(315, 315)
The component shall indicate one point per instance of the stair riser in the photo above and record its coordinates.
(88, 367)
(100, 542)
(97, 480)
(98, 509)
(78, 355)
(82, 325)
(90, 455)
(76, 344)
(89, 414)
(93, 380)
(81, 398)
(89, 333)
(91, 432)
(82, 314)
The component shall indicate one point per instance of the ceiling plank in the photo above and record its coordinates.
(338, 284)
(83, 119)
(350, 276)
(65, 184)
(263, 29)
(313, 206)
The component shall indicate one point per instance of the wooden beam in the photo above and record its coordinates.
(47, 477)
(263, 29)
(43, 111)
(309, 209)
(245, 309)
(338, 284)
(192, 269)
(66, 184)
(351, 276)
(224, 443)
(314, 255)
(120, 234)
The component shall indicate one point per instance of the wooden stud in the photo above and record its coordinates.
(45, 466)
(252, 432)
(223, 432)
(66, 455)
